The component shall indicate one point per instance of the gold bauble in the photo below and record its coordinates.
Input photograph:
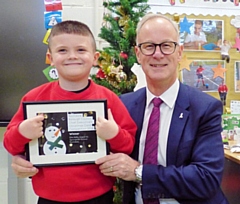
(121, 76)
(123, 21)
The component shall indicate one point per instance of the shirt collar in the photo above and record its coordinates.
(168, 97)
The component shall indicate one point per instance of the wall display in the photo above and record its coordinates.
(230, 123)
(237, 76)
(69, 132)
(196, 7)
(206, 75)
(201, 34)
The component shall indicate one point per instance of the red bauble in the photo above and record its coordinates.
(100, 74)
(123, 55)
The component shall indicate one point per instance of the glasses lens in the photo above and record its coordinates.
(147, 48)
(168, 47)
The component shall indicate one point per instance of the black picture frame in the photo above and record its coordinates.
(69, 132)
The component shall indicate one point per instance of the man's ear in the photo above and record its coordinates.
(180, 53)
(137, 52)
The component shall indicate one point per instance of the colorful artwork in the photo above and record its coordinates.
(201, 34)
(237, 76)
(202, 75)
(53, 5)
(52, 18)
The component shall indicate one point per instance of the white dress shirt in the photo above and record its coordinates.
(166, 110)
(193, 37)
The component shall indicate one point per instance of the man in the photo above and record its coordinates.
(198, 38)
(190, 152)
(190, 155)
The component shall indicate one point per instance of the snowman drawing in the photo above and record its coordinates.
(54, 143)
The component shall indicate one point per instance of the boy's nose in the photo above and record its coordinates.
(72, 55)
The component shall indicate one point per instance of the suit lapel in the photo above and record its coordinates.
(179, 119)
(137, 113)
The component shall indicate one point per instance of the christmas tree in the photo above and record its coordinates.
(119, 30)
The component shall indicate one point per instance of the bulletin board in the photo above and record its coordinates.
(221, 13)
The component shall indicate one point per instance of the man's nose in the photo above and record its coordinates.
(158, 51)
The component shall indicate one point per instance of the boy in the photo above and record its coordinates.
(73, 52)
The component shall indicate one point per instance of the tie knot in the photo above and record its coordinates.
(157, 102)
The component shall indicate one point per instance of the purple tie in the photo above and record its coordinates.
(151, 143)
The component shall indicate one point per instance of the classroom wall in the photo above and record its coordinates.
(19, 191)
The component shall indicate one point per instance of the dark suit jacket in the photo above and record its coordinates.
(195, 156)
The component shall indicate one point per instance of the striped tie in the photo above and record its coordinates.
(151, 143)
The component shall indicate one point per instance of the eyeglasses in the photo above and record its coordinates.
(167, 48)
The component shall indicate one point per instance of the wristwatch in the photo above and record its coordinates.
(138, 174)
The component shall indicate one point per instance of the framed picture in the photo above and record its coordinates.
(201, 75)
(204, 35)
(237, 76)
(69, 133)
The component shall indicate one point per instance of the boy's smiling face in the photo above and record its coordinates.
(73, 55)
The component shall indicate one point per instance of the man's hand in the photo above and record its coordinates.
(23, 168)
(32, 128)
(118, 165)
(107, 129)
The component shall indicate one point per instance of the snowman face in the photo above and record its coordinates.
(52, 133)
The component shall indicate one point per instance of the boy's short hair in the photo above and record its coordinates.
(199, 22)
(71, 27)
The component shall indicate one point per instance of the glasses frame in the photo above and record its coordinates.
(155, 45)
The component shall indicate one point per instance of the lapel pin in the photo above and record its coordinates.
(181, 115)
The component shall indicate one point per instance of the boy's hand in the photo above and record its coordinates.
(107, 129)
(23, 168)
(32, 128)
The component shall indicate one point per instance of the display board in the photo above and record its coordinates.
(197, 7)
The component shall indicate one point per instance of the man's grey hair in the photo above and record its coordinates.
(150, 16)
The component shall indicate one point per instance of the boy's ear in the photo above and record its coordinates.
(96, 56)
(49, 56)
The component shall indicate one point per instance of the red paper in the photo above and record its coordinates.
(53, 5)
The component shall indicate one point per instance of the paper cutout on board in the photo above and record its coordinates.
(219, 71)
(237, 44)
(236, 22)
(141, 78)
(52, 18)
(185, 25)
(53, 5)
(172, 2)
(185, 64)
(51, 73)
(45, 39)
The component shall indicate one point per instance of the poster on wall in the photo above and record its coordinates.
(237, 76)
(202, 75)
(201, 34)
